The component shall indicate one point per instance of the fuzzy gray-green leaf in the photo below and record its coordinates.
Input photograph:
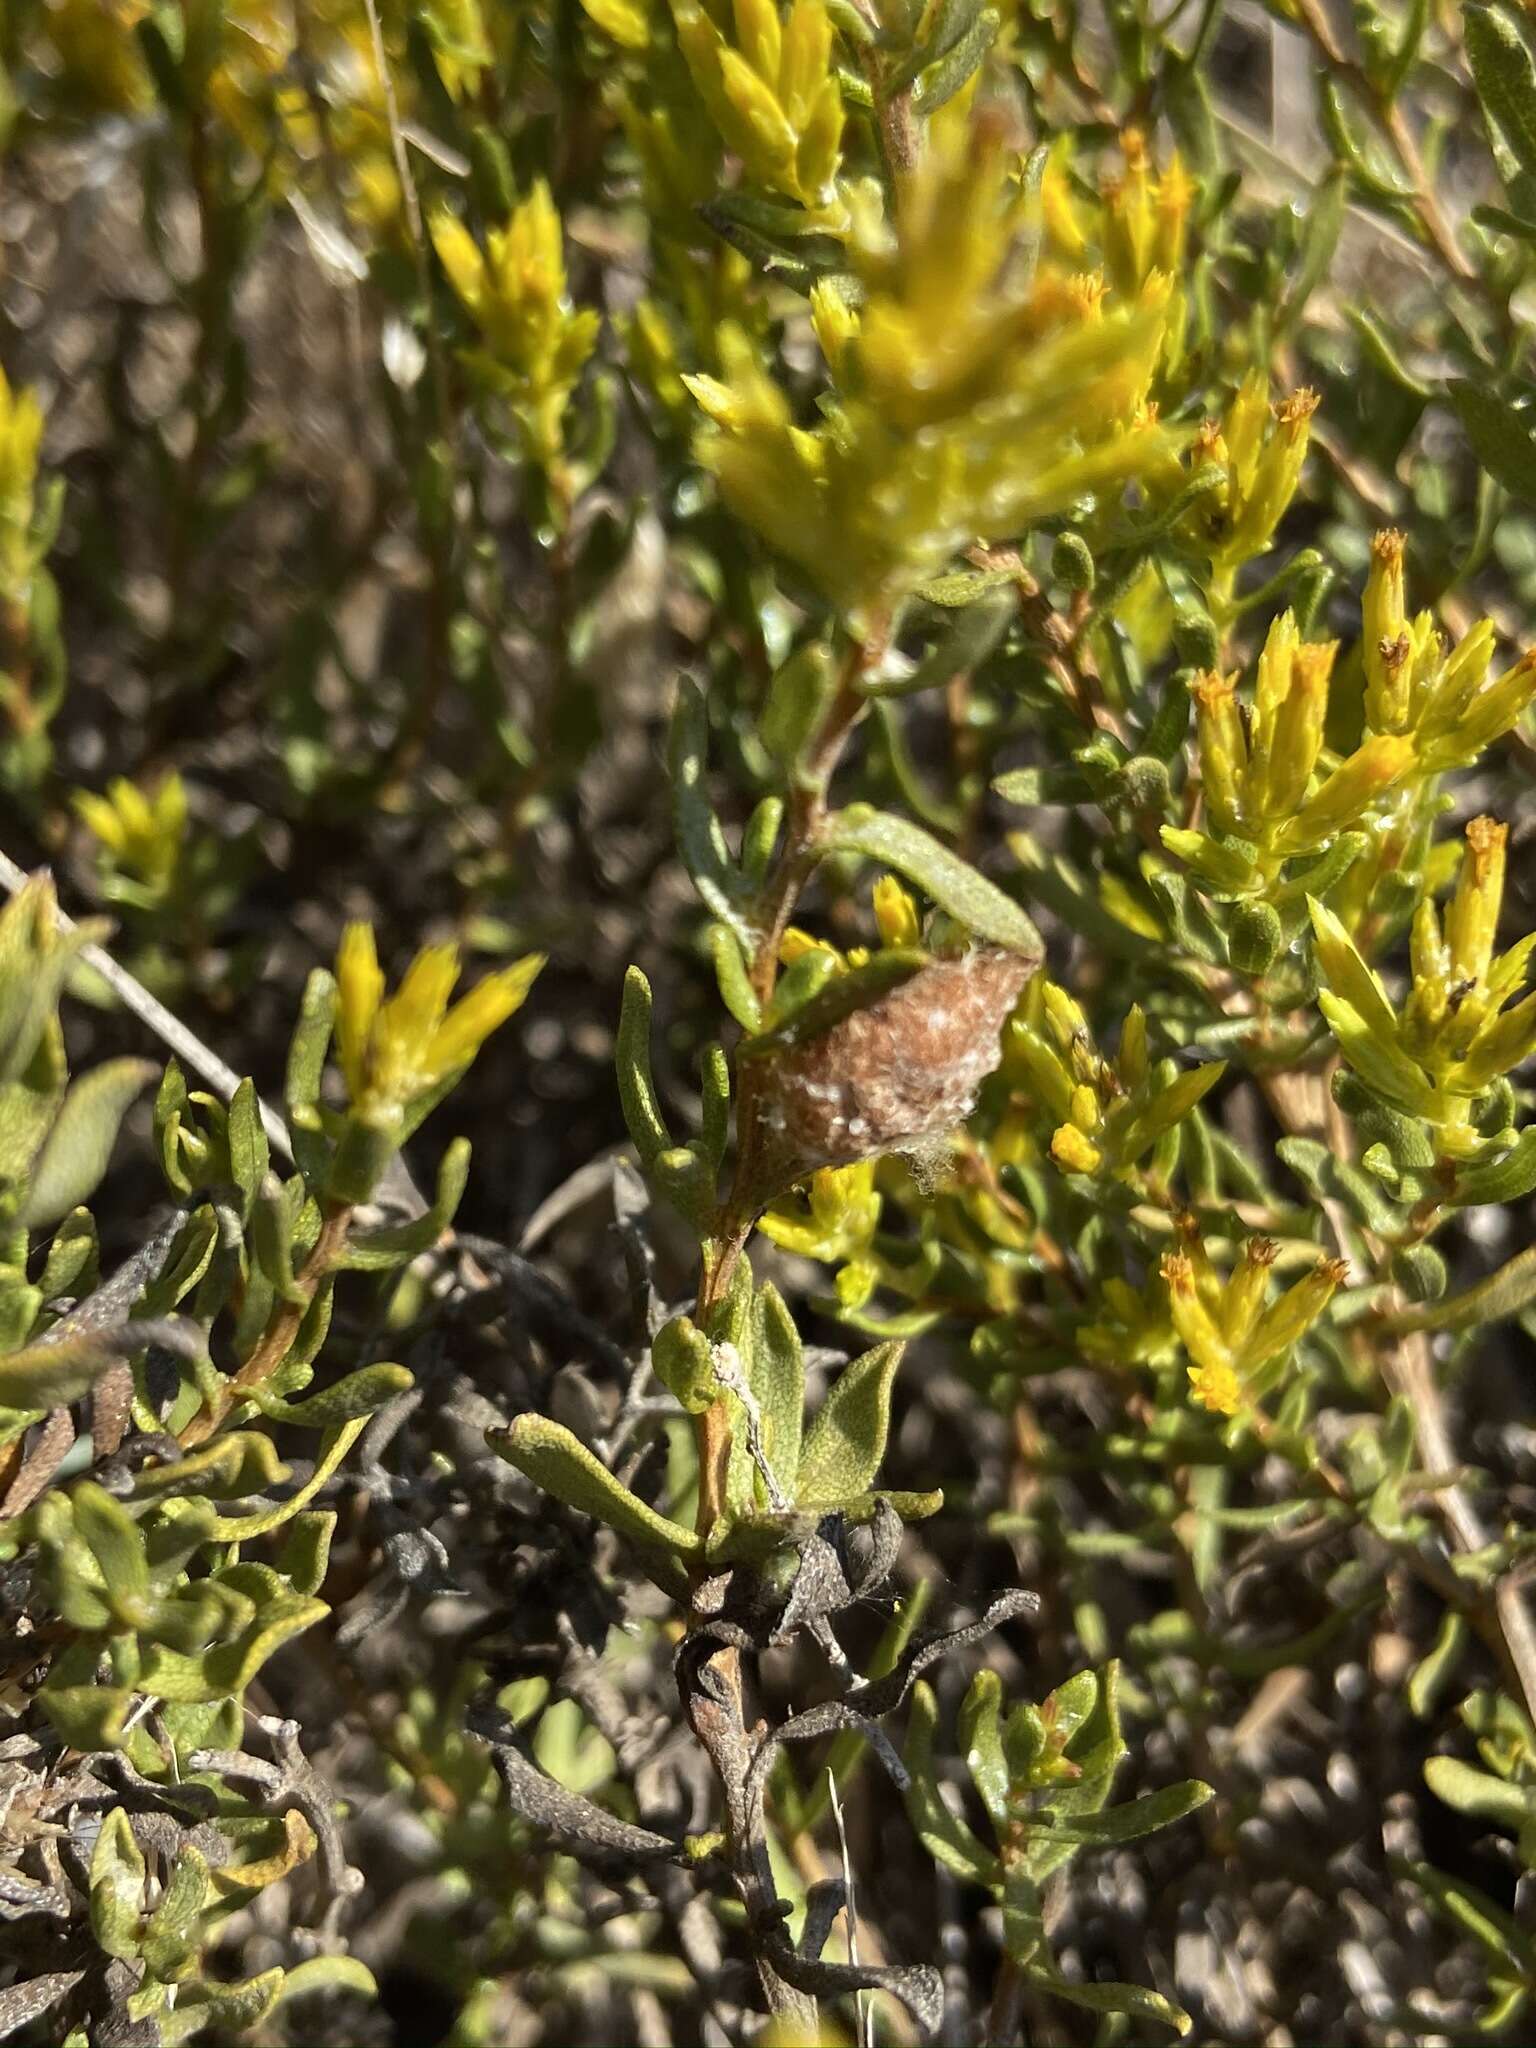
(79, 1144)
(846, 1441)
(952, 882)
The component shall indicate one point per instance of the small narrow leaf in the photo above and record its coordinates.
(561, 1463)
(700, 839)
(637, 1091)
(1137, 1817)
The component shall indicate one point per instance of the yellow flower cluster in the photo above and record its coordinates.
(1257, 767)
(1108, 1115)
(1416, 685)
(970, 400)
(1237, 1346)
(143, 836)
(534, 343)
(1454, 1035)
(772, 92)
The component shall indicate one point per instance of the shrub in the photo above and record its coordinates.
(1042, 1290)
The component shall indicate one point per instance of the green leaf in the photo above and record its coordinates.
(305, 1556)
(684, 1362)
(946, 1838)
(1501, 437)
(1133, 2001)
(118, 1874)
(965, 646)
(797, 699)
(277, 1614)
(49, 1375)
(327, 1973)
(360, 1393)
(222, 2009)
(79, 1144)
(637, 1093)
(1505, 78)
(236, 1463)
(311, 1040)
(778, 1381)
(376, 1250)
(562, 1465)
(1508, 1179)
(714, 1107)
(951, 882)
(88, 1717)
(1497, 1931)
(71, 1262)
(1319, 239)
(953, 71)
(171, 1939)
(1137, 1817)
(846, 1441)
(33, 971)
(1429, 1677)
(1351, 126)
(981, 1738)
(116, 1543)
(274, 1223)
(1479, 1794)
(1167, 1106)
(249, 1153)
(736, 990)
(1504, 1293)
(700, 840)
(340, 1437)
(1095, 1745)
(832, 996)
(1023, 1917)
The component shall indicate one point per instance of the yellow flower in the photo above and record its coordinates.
(1237, 1347)
(21, 435)
(773, 94)
(973, 398)
(1385, 645)
(1454, 1034)
(896, 914)
(393, 1052)
(143, 835)
(515, 293)
(1216, 1387)
(1074, 1151)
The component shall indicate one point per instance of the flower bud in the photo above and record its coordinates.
(1245, 1291)
(895, 913)
(1288, 1321)
(1074, 1151)
(1472, 922)
(1385, 646)
(1353, 785)
(1198, 1331)
(1223, 749)
(1298, 732)
(1072, 562)
(1275, 475)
